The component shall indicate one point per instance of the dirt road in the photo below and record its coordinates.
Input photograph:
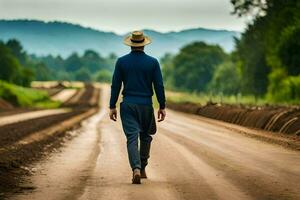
(64, 95)
(191, 159)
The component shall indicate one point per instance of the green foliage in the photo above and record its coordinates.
(17, 50)
(70, 68)
(55, 63)
(93, 61)
(42, 72)
(111, 60)
(73, 63)
(25, 77)
(244, 7)
(283, 88)
(82, 74)
(289, 49)
(25, 97)
(226, 79)
(268, 51)
(10, 66)
(11, 70)
(195, 64)
(250, 54)
(168, 70)
(104, 76)
(203, 98)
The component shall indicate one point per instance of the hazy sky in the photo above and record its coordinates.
(121, 16)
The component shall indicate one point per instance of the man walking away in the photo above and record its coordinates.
(138, 72)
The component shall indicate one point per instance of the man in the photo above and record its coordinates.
(138, 72)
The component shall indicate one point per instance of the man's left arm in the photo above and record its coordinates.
(160, 91)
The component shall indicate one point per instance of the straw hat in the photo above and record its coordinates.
(137, 39)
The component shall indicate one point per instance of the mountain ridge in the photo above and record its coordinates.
(63, 38)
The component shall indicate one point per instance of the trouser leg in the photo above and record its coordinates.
(145, 145)
(131, 130)
(133, 151)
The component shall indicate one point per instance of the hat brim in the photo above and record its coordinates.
(128, 42)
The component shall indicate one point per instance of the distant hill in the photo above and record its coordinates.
(43, 38)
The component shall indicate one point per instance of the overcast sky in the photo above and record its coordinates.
(121, 16)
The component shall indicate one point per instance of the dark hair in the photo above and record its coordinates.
(137, 48)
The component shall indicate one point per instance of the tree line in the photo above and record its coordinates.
(265, 62)
(19, 67)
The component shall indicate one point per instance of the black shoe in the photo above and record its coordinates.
(136, 176)
(143, 173)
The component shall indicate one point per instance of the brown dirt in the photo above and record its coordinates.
(276, 119)
(190, 159)
(16, 111)
(16, 155)
(52, 90)
(15, 151)
(84, 97)
(16, 131)
(4, 105)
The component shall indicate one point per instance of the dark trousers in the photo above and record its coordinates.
(138, 122)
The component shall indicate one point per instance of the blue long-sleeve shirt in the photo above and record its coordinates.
(138, 72)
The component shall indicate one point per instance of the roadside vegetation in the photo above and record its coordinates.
(26, 97)
(264, 68)
(203, 98)
(18, 70)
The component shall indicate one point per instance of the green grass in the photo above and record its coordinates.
(198, 98)
(26, 97)
(203, 98)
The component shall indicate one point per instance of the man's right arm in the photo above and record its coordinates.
(115, 90)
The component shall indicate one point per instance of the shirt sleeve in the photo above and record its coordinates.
(116, 85)
(159, 86)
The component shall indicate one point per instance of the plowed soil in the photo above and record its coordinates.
(14, 157)
(276, 119)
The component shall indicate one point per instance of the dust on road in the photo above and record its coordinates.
(190, 159)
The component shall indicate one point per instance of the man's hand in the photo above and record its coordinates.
(113, 114)
(161, 115)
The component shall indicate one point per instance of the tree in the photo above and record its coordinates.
(289, 50)
(73, 63)
(111, 60)
(55, 63)
(10, 67)
(93, 61)
(26, 76)
(269, 45)
(195, 64)
(225, 79)
(251, 58)
(104, 76)
(167, 70)
(17, 50)
(82, 75)
(254, 7)
(42, 72)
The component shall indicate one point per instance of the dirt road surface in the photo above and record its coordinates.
(18, 117)
(190, 159)
(64, 95)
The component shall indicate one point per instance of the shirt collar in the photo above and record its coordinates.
(137, 52)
